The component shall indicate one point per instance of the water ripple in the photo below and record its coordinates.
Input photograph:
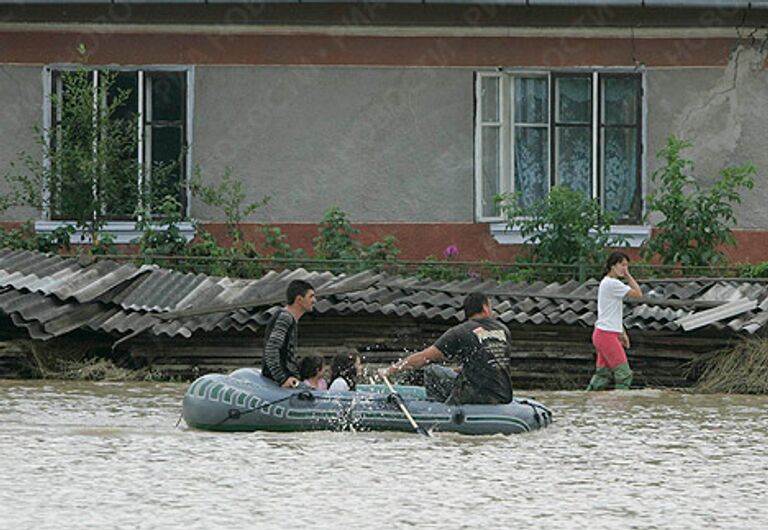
(98, 455)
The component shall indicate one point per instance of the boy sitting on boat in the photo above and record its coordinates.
(281, 337)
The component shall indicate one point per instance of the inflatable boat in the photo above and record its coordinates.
(246, 401)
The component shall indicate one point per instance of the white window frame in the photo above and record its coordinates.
(635, 234)
(124, 232)
(504, 143)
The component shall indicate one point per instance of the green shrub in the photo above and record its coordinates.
(696, 223)
(382, 255)
(565, 228)
(166, 241)
(276, 245)
(335, 237)
(25, 238)
(759, 270)
(336, 242)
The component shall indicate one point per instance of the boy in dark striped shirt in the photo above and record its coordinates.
(281, 336)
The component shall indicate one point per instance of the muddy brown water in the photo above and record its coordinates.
(108, 455)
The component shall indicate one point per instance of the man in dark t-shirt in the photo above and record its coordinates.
(481, 345)
(282, 335)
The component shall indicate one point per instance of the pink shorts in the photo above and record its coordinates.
(610, 352)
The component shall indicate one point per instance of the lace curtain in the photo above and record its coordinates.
(531, 137)
(620, 141)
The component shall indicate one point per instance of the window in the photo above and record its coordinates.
(581, 130)
(148, 105)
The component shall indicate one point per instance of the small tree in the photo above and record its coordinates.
(89, 169)
(696, 222)
(277, 246)
(565, 228)
(335, 237)
(229, 197)
(335, 241)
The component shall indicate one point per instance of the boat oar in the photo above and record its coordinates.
(400, 403)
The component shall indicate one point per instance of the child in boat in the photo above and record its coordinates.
(609, 337)
(311, 372)
(345, 370)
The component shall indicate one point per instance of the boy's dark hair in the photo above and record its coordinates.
(297, 288)
(613, 259)
(473, 304)
(309, 366)
(343, 365)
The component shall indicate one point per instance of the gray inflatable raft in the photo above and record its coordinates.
(246, 401)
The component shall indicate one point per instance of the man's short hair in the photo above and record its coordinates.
(473, 304)
(297, 288)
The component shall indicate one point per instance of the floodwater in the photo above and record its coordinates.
(108, 455)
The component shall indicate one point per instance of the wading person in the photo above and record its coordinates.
(281, 336)
(609, 337)
(482, 347)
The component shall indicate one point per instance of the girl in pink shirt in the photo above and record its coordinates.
(311, 372)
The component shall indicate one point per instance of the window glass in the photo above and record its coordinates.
(531, 138)
(491, 169)
(167, 96)
(531, 164)
(558, 147)
(574, 158)
(124, 86)
(531, 100)
(620, 100)
(490, 99)
(165, 176)
(574, 99)
(621, 192)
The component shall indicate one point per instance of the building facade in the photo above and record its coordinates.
(410, 117)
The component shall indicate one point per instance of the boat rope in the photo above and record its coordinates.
(304, 395)
(234, 414)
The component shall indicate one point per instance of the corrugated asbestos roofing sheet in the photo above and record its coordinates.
(51, 296)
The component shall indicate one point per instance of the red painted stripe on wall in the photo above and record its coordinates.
(42, 47)
(473, 240)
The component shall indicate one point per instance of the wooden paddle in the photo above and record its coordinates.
(400, 403)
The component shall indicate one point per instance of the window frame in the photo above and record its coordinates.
(49, 75)
(507, 151)
(639, 126)
(504, 144)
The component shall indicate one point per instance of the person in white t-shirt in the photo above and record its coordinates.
(610, 338)
(346, 369)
